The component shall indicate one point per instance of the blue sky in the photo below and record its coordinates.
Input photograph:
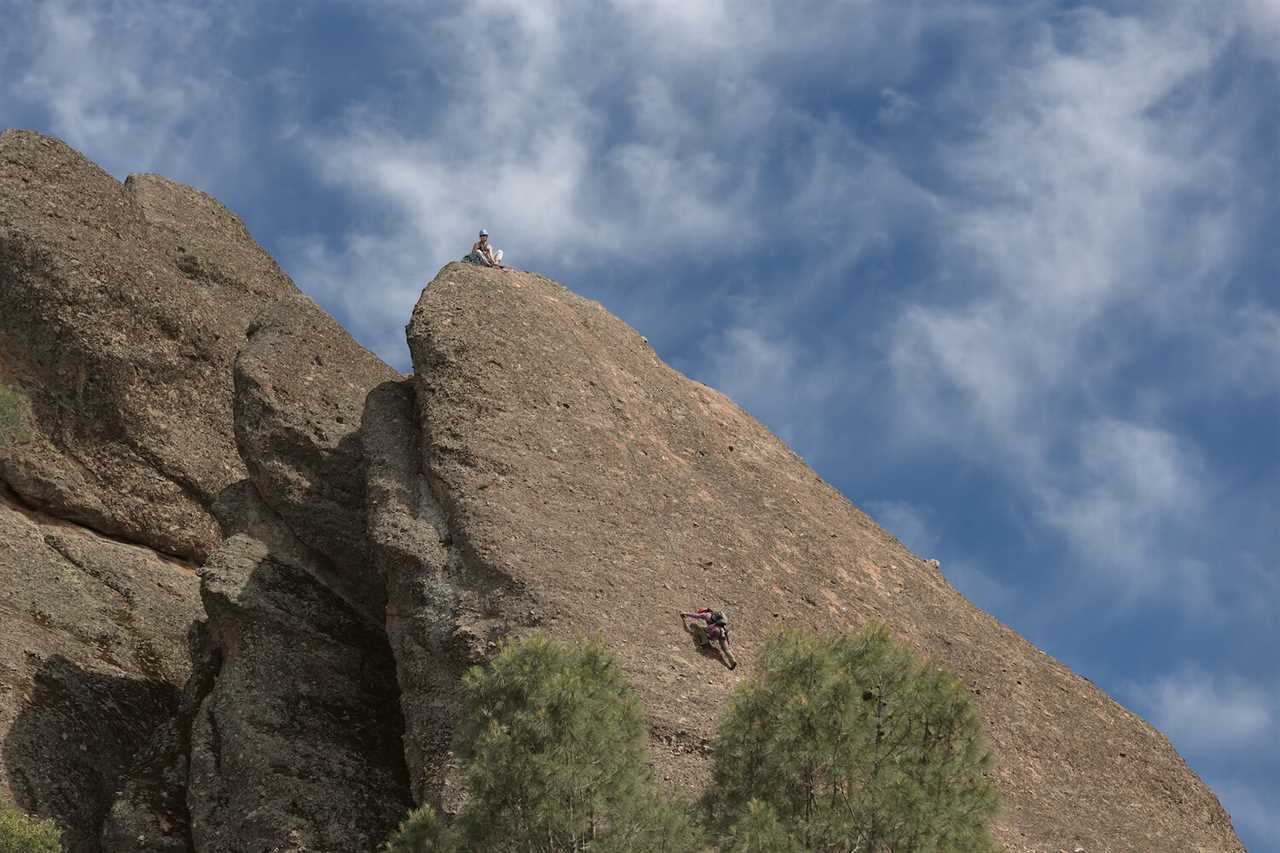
(1003, 272)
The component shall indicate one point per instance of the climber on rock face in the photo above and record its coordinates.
(483, 254)
(710, 626)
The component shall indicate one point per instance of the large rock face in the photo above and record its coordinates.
(362, 538)
(576, 467)
(442, 615)
(122, 308)
(300, 386)
(92, 658)
(296, 747)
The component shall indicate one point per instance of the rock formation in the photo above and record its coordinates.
(297, 744)
(92, 659)
(300, 388)
(577, 467)
(362, 538)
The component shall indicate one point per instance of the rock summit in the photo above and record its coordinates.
(244, 563)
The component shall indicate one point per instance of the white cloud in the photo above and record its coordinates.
(1210, 714)
(1123, 486)
(1096, 207)
(136, 85)
(1260, 24)
(653, 144)
(1249, 357)
(896, 107)
(909, 523)
(765, 374)
(979, 587)
(1252, 808)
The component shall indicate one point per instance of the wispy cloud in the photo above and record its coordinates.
(674, 139)
(1208, 713)
(139, 84)
(1252, 808)
(909, 523)
(1092, 151)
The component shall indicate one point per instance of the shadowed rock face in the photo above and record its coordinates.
(442, 616)
(575, 466)
(296, 747)
(300, 386)
(92, 656)
(122, 308)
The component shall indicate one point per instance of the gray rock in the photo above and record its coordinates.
(439, 615)
(572, 464)
(126, 358)
(301, 383)
(296, 746)
(149, 811)
(92, 655)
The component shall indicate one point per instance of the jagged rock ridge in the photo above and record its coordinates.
(363, 537)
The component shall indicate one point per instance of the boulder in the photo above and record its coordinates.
(572, 465)
(122, 308)
(300, 387)
(92, 656)
(297, 744)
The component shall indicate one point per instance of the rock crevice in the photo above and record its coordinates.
(442, 615)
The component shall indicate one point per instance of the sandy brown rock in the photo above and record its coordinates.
(296, 746)
(301, 383)
(570, 461)
(122, 308)
(92, 655)
(441, 616)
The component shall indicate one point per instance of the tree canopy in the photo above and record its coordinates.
(553, 745)
(852, 742)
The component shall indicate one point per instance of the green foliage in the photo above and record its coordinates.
(22, 834)
(855, 744)
(758, 830)
(15, 415)
(422, 832)
(553, 745)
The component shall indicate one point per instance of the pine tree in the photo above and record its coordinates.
(553, 746)
(422, 832)
(758, 830)
(857, 745)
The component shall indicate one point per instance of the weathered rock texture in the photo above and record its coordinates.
(577, 467)
(296, 747)
(122, 308)
(297, 744)
(92, 657)
(149, 811)
(372, 537)
(300, 388)
(442, 615)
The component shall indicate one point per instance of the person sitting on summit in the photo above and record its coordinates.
(483, 254)
(712, 626)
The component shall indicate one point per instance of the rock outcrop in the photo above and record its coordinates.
(122, 309)
(300, 387)
(92, 658)
(362, 538)
(442, 615)
(574, 465)
(297, 744)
